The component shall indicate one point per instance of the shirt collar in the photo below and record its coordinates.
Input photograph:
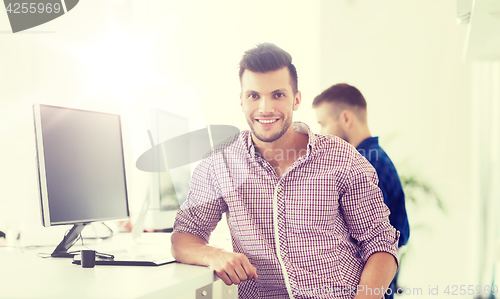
(298, 127)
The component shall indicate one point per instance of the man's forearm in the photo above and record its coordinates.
(190, 249)
(378, 273)
(231, 267)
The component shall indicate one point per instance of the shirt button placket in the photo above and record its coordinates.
(279, 231)
(280, 217)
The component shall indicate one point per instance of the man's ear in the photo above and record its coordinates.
(241, 102)
(297, 100)
(346, 118)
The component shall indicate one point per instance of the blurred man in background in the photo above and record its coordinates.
(341, 111)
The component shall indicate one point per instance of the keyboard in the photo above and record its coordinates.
(130, 260)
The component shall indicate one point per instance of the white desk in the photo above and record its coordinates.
(25, 275)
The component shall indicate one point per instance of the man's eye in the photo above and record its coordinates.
(279, 95)
(253, 96)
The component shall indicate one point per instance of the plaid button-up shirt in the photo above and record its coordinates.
(309, 232)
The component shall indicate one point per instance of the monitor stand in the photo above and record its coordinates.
(68, 241)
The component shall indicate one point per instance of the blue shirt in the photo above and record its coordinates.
(390, 184)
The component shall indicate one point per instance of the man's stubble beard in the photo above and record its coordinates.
(284, 128)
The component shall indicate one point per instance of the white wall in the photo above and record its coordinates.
(116, 56)
(405, 57)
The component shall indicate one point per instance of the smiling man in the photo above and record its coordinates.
(306, 217)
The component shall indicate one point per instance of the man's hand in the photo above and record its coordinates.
(232, 268)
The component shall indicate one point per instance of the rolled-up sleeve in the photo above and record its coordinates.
(366, 215)
(203, 208)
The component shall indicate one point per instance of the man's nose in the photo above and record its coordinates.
(266, 105)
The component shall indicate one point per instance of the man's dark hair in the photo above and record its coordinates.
(343, 96)
(268, 57)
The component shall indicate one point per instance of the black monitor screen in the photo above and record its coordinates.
(83, 166)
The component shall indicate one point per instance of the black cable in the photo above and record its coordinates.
(97, 253)
(102, 238)
(110, 230)
(76, 240)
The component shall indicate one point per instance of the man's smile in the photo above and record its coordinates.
(267, 121)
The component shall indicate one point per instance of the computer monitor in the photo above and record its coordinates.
(170, 186)
(81, 171)
(162, 145)
(166, 158)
